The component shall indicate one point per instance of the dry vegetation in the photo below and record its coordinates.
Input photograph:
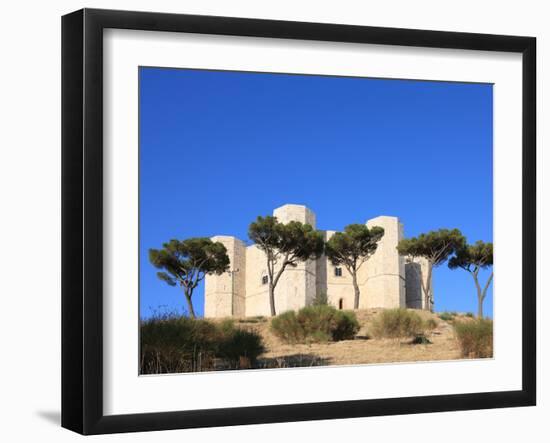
(176, 344)
(172, 344)
(475, 337)
(315, 324)
(441, 344)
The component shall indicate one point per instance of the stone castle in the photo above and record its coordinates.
(385, 280)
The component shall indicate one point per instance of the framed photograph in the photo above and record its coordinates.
(269, 221)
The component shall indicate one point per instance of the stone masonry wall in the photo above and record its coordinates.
(339, 289)
(382, 277)
(224, 295)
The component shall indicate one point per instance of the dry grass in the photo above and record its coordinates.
(173, 343)
(398, 323)
(364, 349)
(475, 337)
(439, 342)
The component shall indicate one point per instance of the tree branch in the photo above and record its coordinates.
(487, 286)
(280, 272)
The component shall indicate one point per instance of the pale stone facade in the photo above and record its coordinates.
(385, 280)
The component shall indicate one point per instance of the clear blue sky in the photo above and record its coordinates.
(219, 148)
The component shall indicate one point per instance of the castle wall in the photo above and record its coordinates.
(339, 289)
(385, 281)
(257, 295)
(224, 295)
(382, 277)
(295, 289)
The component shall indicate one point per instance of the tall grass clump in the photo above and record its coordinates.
(398, 323)
(172, 343)
(475, 338)
(314, 324)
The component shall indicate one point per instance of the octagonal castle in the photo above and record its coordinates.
(385, 280)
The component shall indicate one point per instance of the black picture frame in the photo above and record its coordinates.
(82, 216)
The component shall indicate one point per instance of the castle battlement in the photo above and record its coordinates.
(385, 280)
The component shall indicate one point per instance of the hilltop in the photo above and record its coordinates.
(364, 349)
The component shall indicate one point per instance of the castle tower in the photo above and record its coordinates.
(224, 295)
(382, 277)
(296, 288)
(297, 285)
(414, 272)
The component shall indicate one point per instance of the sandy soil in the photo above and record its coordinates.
(362, 350)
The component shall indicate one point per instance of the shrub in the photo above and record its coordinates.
(319, 323)
(475, 338)
(239, 343)
(256, 319)
(346, 326)
(447, 316)
(172, 343)
(287, 328)
(398, 323)
(420, 340)
(469, 314)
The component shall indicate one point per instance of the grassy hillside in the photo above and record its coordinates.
(179, 344)
(364, 349)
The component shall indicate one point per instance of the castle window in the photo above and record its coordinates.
(338, 272)
(264, 279)
(341, 304)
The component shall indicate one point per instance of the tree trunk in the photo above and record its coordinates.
(483, 295)
(356, 291)
(479, 294)
(479, 307)
(428, 289)
(190, 305)
(272, 299)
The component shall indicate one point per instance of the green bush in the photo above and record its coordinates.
(319, 323)
(173, 343)
(287, 327)
(256, 319)
(475, 338)
(238, 343)
(398, 323)
(447, 316)
(420, 340)
(346, 326)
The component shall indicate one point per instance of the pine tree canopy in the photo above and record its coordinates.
(354, 245)
(436, 246)
(188, 261)
(478, 255)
